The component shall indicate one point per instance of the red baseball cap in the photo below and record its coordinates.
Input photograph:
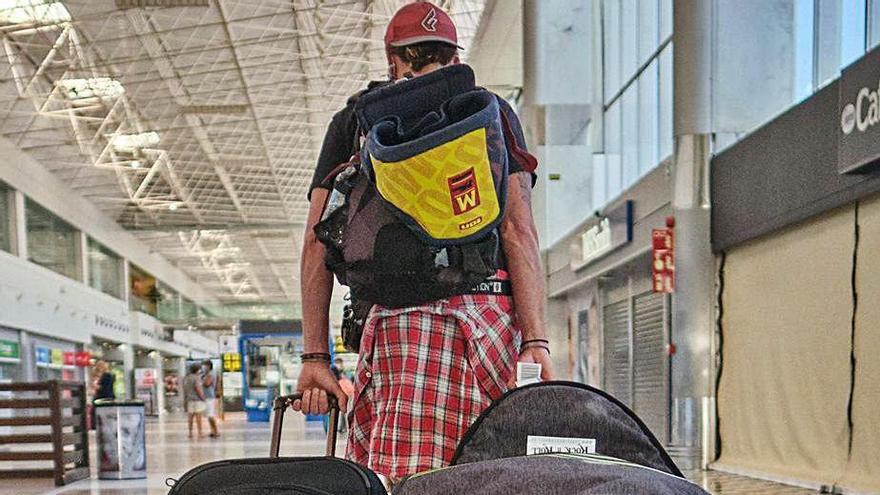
(418, 22)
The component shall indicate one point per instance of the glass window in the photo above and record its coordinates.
(169, 303)
(612, 149)
(649, 124)
(188, 309)
(144, 296)
(853, 30)
(629, 34)
(630, 136)
(666, 131)
(649, 29)
(5, 218)
(874, 24)
(804, 33)
(665, 19)
(105, 269)
(841, 32)
(51, 242)
(611, 35)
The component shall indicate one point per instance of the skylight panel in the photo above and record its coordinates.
(95, 87)
(41, 12)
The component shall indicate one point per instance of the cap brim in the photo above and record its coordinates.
(422, 39)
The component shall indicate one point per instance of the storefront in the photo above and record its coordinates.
(52, 359)
(269, 364)
(601, 284)
(10, 355)
(796, 223)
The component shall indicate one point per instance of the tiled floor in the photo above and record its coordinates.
(170, 454)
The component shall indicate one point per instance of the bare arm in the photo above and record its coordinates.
(519, 239)
(315, 379)
(316, 280)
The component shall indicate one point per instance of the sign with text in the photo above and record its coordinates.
(83, 358)
(57, 357)
(69, 358)
(231, 361)
(663, 261)
(859, 105)
(42, 355)
(613, 231)
(559, 445)
(9, 349)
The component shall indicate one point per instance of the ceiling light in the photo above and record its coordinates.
(95, 87)
(129, 4)
(33, 12)
(135, 164)
(133, 142)
(173, 206)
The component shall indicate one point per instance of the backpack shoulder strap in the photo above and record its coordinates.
(526, 160)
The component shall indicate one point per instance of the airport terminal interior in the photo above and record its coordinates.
(706, 209)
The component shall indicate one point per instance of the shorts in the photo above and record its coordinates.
(196, 407)
(211, 408)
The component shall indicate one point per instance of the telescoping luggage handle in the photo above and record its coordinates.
(280, 405)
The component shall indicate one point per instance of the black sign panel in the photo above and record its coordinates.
(859, 105)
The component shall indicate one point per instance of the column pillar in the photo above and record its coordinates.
(692, 387)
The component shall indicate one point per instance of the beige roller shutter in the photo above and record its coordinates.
(863, 470)
(651, 364)
(617, 363)
(786, 320)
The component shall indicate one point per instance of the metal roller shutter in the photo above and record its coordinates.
(617, 366)
(650, 363)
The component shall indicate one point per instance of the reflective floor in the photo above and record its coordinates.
(170, 454)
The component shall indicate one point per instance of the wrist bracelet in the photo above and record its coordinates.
(545, 341)
(315, 356)
(532, 344)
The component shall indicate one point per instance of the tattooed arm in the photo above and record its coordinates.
(519, 239)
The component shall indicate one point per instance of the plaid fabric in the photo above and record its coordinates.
(424, 375)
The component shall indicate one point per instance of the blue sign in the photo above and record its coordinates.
(43, 355)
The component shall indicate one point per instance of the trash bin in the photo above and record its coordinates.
(121, 439)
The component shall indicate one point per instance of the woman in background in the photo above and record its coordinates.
(194, 398)
(102, 385)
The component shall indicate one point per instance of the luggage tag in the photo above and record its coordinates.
(527, 373)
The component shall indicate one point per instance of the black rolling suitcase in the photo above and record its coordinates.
(276, 475)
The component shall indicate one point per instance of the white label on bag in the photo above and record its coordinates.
(546, 445)
(527, 373)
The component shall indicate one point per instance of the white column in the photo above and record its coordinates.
(556, 111)
(692, 376)
(19, 224)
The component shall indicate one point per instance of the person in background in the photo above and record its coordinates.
(194, 398)
(340, 365)
(102, 385)
(209, 384)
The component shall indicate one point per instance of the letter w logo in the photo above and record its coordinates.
(464, 192)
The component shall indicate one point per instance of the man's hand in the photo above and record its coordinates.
(534, 355)
(315, 382)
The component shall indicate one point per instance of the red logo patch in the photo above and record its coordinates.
(464, 192)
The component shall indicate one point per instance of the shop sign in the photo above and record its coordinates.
(9, 349)
(69, 358)
(859, 105)
(57, 357)
(82, 359)
(42, 355)
(613, 231)
(663, 259)
(231, 361)
(144, 377)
